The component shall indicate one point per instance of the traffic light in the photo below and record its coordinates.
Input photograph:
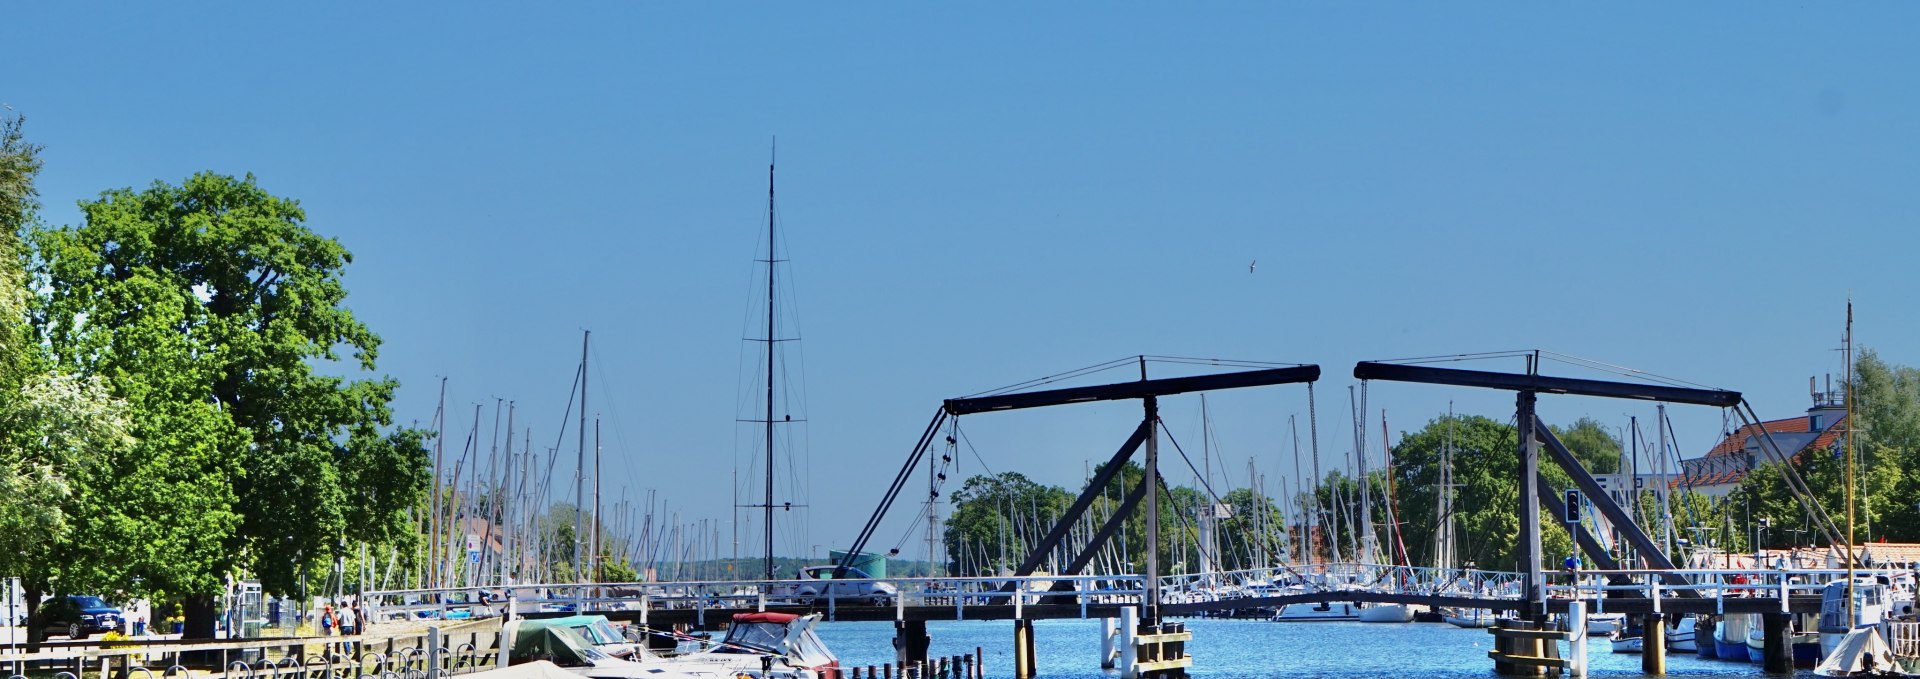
(1573, 506)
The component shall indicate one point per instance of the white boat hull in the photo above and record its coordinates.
(1602, 624)
(1317, 613)
(1386, 613)
(1478, 618)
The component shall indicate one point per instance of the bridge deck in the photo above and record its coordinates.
(1047, 597)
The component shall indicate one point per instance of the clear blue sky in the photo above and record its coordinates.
(977, 195)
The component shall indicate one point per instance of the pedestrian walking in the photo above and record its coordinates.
(349, 624)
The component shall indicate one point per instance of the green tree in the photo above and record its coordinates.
(1886, 438)
(54, 427)
(1591, 444)
(1486, 493)
(212, 308)
(998, 518)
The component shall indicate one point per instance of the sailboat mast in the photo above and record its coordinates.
(439, 460)
(580, 475)
(1367, 538)
(1847, 351)
(1294, 427)
(771, 260)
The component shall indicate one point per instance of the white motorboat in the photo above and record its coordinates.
(1679, 638)
(1323, 612)
(1604, 624)
(1869, 608)
(752, 640)
(1471, 618)
(1386, 613)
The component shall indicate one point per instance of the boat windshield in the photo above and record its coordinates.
(600, 632)
(753, 637)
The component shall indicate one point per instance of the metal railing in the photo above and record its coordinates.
(1904, 637)
(829, 595)
(414, 654)
(1718, 584)
(1334, 577)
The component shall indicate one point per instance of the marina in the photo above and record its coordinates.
(1250, 341)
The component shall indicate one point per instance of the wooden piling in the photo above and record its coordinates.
(1778, 654)
(979, 663)
(1023, 661)
(1653, 645)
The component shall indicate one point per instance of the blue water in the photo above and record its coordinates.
(1251, 649)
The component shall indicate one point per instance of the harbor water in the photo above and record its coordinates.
(1254, 649)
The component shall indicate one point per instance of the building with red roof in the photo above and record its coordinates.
(1740, 451)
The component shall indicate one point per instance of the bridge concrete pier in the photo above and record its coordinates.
(1653, 646)
(910, 642)
(1778, 653)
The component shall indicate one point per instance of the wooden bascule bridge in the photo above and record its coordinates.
(1142, 635)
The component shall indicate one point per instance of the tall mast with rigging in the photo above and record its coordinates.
(1847, 351)
(771, 261)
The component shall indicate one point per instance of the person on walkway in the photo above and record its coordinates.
(349, 626)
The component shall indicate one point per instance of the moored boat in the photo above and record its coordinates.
(1703, 632)
(1323, 612)
(1386, 613)
(1471, 618)
(1730, 636)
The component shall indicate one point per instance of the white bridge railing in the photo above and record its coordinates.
(828, 596)
(1085, 591)
(1718, 584)
(1337, 577)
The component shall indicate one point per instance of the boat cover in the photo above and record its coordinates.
(540, 669)
(553, 643)
(1861, 653)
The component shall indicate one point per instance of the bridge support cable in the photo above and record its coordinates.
(1808, 501)
(1094, 489)
(893, 491)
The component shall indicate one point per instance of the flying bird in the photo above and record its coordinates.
(1252, 264)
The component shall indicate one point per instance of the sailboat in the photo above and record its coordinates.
(1381, 612)
(1444, 557)
(767, 417)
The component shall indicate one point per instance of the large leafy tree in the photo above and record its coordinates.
(216, 313)
(54, 427)
(1486, 495)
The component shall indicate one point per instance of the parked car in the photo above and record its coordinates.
(77, 616)
(853, 586)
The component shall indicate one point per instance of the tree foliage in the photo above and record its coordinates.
(212, 309)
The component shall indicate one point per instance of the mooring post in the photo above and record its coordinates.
(433, 653)
(1023, 660)
(1530, 505)
(1106, 643)
(1128, 654)
(1778, 653)
(910, 641)
(1653, 646)
(1577, 639)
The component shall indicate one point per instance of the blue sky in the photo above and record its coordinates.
(974, 195)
